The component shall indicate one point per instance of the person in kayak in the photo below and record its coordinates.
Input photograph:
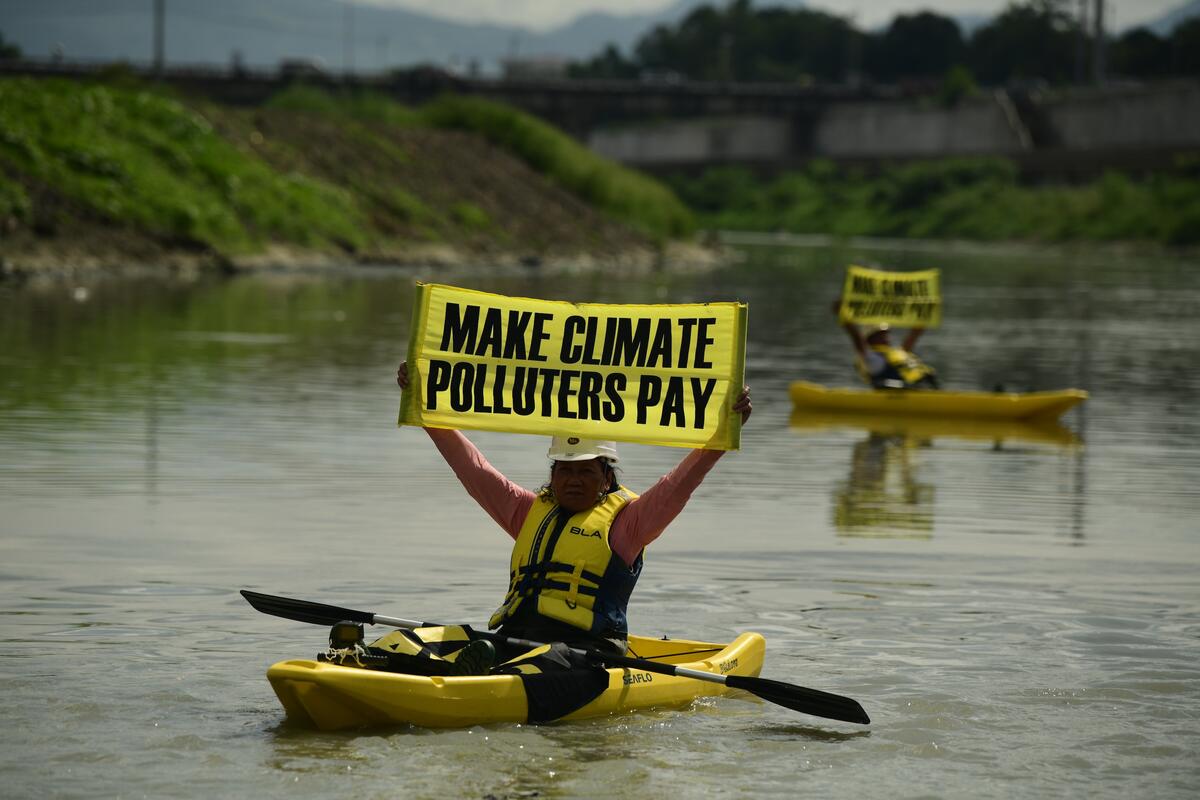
(579, 539)
(884, 366)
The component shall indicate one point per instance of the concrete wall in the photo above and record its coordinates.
(739, 139)
(1078, 132)
(882, 130)
(857, 130)
(1145, 117)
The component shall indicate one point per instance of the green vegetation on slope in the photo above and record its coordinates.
(324, 172)
(147, 161)
(361, 174)
(365, 106)
(629, 196)
(955, 198)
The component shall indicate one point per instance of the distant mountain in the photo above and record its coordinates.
(1169, 21)
(337, 33)
(587, 35)
(262, 31)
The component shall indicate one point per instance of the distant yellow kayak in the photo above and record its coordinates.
(1031, 406)
(331, 697)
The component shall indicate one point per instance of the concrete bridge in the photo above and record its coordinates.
(687, 126)
(1073, 135)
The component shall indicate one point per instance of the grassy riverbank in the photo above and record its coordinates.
(123, 173)
(977, 199)
(115, 171)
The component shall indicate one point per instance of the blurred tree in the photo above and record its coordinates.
(741, 43)
(1028, 41)
(691, 49)
(609, 64)
(957, 84)
(1140, 53)
(8, 50)
(921, 45)
(800, 44)
(1185, 48)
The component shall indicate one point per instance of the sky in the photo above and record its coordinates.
(542, 15)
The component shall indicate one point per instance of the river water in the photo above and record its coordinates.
(1020, 617)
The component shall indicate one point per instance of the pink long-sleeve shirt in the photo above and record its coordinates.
(638, 524)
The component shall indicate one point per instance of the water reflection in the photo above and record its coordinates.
(882, 495)
(996, 431)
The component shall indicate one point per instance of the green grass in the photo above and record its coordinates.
(143, 159)
(365, 106)
(471, 216)
(14, 201)
(629, 196)
(980, 199)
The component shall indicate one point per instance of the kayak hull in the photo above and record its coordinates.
(333, 697)
(1029, 406)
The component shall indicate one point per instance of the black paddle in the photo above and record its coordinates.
(797, 698)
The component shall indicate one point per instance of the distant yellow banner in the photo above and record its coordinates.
(906, 299)
(651, 374)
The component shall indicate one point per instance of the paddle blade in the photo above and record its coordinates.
(803, 699)
(303, 610)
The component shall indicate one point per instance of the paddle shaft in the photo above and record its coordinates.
(797, 698)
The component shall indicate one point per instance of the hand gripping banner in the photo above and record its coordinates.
(905, 299)
(651, 374)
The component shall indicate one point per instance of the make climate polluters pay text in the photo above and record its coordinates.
(657, 374)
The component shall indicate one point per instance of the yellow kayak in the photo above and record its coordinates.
(331, 697)
(1028, 406)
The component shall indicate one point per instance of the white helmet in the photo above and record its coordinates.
(573, 448)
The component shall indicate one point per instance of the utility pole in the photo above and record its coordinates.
(1081, 43)
(348, 39)
(1098, 76)
(159, 36)
(854, 70)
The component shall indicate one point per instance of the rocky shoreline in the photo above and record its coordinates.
(57, 262)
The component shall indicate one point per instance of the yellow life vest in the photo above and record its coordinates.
(901, 366)
(564, 563)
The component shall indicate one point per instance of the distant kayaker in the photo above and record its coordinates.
(579, 539)
(884, 366)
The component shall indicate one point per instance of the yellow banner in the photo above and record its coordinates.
(906, 299)
(651, 374)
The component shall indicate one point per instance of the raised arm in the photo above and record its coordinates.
(910, 341)
(851, 329)
(644, 519)
(502, 500)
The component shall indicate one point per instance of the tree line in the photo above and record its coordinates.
(1030, 40)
